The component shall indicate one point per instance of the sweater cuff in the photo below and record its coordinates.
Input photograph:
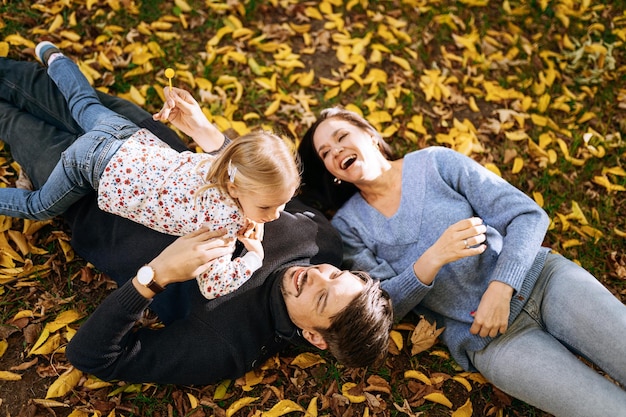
(130, 299)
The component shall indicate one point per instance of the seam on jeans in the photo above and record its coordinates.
(34, 102)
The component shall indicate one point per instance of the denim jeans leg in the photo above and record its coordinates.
(531, 363)
(81, 98)
(579, 311)
(73, 177)
(27, 87)
(34, 144)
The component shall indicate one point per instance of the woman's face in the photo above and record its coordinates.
(346, 150)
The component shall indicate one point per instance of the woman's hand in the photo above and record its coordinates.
(462, 239)
(184, 112)
(252, 236)
(492, 315)
(190, 255)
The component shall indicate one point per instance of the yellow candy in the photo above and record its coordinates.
(169, 73)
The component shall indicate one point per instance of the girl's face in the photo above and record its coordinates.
(346, 150)
(261, 207)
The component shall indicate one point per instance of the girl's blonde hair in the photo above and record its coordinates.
(257, 162)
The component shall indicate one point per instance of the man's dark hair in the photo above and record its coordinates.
(359, 334)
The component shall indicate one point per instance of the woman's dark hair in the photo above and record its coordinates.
(318, 187)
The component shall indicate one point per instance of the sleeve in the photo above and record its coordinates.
(187, 351)
(405, 288)
(225, 275)
(520, 223)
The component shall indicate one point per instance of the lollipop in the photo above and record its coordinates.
(169, 73)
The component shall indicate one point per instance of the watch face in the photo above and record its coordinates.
(145, 275)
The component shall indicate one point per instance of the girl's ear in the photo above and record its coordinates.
(232, 190)
(315, 339)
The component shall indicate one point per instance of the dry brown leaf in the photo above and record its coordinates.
(424, 336)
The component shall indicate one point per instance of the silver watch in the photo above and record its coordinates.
(145, 276)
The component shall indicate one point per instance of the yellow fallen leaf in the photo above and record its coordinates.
(397, 339)
(311, 410)
(239, 404)
(332, 93)
(571, 243)
(4, 345)
(221, 389)
(493, 168)
(49, 403)
(619, 232)
(78, 413)
(56, 23)
(4, 49)
(345, 391)
(193, 401)
(307, 359)
(64, 384)
(95, 383)
(9, 376)
(466, 410)
(413, 374)
(253, 377)
(438, 398)
(63, 319)
(282, 407)
(183, 5)
(272, 108)
(518, 164)
(463, 382)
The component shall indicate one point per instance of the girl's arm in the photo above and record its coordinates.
(184, 112)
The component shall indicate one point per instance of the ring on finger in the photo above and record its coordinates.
(465, 242)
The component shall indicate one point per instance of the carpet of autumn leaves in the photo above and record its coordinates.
(533, 89)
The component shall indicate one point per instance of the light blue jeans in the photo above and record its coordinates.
(82, 164)
(568, 311)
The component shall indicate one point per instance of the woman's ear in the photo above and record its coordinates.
(315, 339)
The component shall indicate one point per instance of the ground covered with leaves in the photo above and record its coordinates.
(533, 89)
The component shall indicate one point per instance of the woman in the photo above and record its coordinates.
(445, 234)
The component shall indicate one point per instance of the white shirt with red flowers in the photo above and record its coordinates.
(150, 183)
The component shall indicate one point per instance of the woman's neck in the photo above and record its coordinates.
(384, 192)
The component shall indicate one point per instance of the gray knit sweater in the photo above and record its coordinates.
(439, 188)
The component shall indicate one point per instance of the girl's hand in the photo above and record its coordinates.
(252, 236)
(184, 112)
(190, 255)
(462, 239)
(492, 315)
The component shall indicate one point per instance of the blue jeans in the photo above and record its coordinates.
(569, 313)
(36, 123)
(82, 164)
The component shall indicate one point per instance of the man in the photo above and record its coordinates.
(297, 295)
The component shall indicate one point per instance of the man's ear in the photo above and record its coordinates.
(315, 339)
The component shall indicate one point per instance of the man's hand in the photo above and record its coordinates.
(190, 255)
(492, 315)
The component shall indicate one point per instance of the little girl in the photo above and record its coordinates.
(139, 177)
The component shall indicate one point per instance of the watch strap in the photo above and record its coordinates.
(154, 287)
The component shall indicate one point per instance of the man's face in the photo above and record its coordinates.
(313, 294)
